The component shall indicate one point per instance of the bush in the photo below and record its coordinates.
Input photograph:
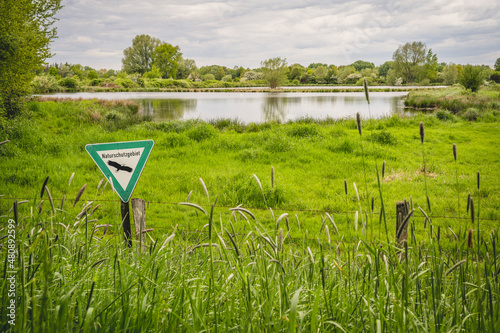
(495, 77)
(69, 83)
(202, 132)
(471, 78)
(444, 115)
(471, 114)
(384, 138)
(44, 84)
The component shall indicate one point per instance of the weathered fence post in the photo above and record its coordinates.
(401, 213)
(127, 231)
(139, 211)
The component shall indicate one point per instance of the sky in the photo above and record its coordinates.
(243, 33)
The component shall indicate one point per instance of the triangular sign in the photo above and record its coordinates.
(121, 163)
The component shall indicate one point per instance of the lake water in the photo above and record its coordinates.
(257, 107)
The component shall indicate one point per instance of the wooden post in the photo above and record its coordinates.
(127, 231)
(401, 213)
(139, 211)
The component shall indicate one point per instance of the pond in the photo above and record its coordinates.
(258, 106)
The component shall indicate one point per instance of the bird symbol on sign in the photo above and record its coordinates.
(119, 167)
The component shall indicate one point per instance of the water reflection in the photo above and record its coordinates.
(167, 109)
(274, 109)
(257, 107)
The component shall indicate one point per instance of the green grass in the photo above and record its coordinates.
(311, 161)
(299, 265)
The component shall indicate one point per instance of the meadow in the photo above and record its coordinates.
(289, 227)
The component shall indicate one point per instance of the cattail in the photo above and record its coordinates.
(43, 186)
(468, 203)
(383, 169)
(62, 202)
(358, 122)
(100, 183)
(469, 238)
(472, 209)
(455, 151)
(477, 180)
(272, 178)
(79, 194)
(365, 85)
(345, 186)
(373, 203)
(422, 132)
(95, 208)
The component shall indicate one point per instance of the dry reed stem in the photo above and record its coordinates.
(79, 194)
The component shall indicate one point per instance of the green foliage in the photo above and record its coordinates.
(167, 59)
(202, 132)
(25, 34)
(495, 76)
(69, 83)
(471, 77)
(274, 71)
(360, 64)
(44, 84)
(92, 75)
(139, 57)
(384, 68)
(409, 60)
(384, 138)
(497, 65)
(444, 115)
(450, 74)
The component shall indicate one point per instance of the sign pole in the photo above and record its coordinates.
(127, 231)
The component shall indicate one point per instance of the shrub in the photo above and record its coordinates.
(202, 132)
(471, 114)
(471, 77)
(69, 83)
(44, 84)
(444, 115)
(303, 130)
(384, 138)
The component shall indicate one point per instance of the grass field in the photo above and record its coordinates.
(306, 256)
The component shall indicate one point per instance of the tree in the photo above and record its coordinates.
(430, 68)
(409, 59)
(384, 68)
(26, 30)
(497, 65)
(450, 73)
(186, 67)
(274, 70)
(471, 77)
(360, 64)
(167, 59)
(320, 73)
(139, 57)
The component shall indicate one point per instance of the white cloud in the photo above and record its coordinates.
(246, 32)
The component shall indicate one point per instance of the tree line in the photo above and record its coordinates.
(26, 30)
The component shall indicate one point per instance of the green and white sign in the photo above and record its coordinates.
(121, 163)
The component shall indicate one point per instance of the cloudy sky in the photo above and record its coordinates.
(243, 33)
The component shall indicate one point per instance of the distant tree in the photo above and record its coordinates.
(154, 73)
(384, 68)
(26, 30)
(497, 65)
(53, 71)
(274, 71)
(316, 65)
(139, 57)
(360, 64)
(344, 72)
(92, 75)
(295, 72)
(409, 60)
(320, 73)
(166, 58)
(186, 67)
(471, 77)
(429, 70)
(220, 73)
(450, 73)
